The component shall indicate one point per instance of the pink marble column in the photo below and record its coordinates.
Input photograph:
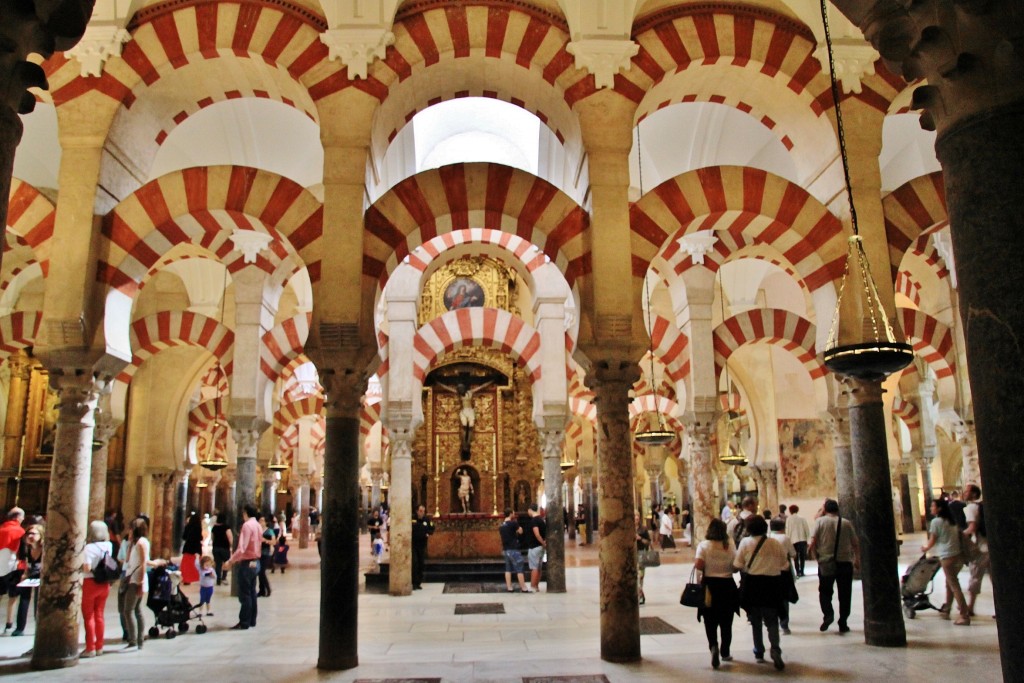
(400, 524)
(60, 590)
(98, 474)
(620, 607)
(698, 433)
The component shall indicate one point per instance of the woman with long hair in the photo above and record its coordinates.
(192, 549)
(643, 542)
(138, 584)
(714, 560)
(944, 537)
(31, 555)
(94, 595)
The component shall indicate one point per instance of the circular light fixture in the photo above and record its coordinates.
(201, 484)
(278, 466)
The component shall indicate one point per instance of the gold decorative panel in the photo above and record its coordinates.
(469, 282)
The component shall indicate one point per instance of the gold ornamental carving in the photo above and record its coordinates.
(470, 282)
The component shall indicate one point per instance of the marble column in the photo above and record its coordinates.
(587, 475)
(339, 565)
(906, 502)
(570, 505)
(876, 531)
(924, 463)
(169, 542)
(376, 476)
(971, 471)
(303, 508)
(770, 477)
(838, 420)
(620, 607)
(156, 525)
(552, 444)
(247, 437)
(698, 433)
(98, 470)
(181, 509)
(983, 161)
(269, 497)
(211, 494)
(17, 400)
(400, 508)
(60, 590)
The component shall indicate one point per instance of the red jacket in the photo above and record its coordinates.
(10, 540)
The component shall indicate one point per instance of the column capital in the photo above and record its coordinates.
(552, 443)
(863, 392)
(20, 365)
(343, 389)
(246, 433)
(603, 57)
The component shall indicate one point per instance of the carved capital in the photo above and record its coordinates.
(552, 443)
(863, 392)
(246, 439)
(343, 391)
(249, 243)
(603, 57)
(698, 244)
(357, 48)
(79, 393)
(854, 59)
(99, 44)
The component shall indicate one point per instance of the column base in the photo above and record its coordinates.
(337, 664)
(46, 662)
(882, 634)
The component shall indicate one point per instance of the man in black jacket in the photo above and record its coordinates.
(422, 527)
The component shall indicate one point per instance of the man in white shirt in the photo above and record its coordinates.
(846, 552)
(736, 527)
(974, 513)
(799, 532)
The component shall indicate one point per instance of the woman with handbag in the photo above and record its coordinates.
(643, 542)
(31, 556)
(762, 560)
(714, 561)
(944, 537)
(95, 590)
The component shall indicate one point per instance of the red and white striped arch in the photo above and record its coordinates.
(484, 327)
(771, 326)
(519, 53)
(932, 340)
(729, 100)
(168, 329)
(369, 415)
(31, 217)
(202, 416)
(911, 210)
(18, 257)
(906, 411)
(171, 35)
(479, 195)
(202, 206)
(421, 258)
(641, 410)
(18, 330)
(671, 345)
(283, 344)
(290, 413)
(677, 38)
(908, 286)
(765, 209)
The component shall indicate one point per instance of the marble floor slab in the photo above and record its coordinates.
(540, 637)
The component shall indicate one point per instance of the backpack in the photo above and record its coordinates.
(106, 570)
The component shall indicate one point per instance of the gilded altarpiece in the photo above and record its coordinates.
(502, 450)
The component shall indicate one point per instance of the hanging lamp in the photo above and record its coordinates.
(879, 353)
(213, 462)
(277, 465)
(201, 484)
(733, 417)
(656, 434)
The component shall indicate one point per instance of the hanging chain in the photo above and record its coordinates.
(839, 115)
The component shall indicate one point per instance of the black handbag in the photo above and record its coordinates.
(791, 593)
(744, 584)
(694, 594)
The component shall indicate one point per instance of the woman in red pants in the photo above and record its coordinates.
(94, 595)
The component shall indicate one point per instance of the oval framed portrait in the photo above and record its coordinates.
(463, 292)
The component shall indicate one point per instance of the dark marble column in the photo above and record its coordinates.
(180, 510)
(906, 503)
(98, 470)
(339, 565)
(60, 591)
(876, 530)
(620, 607)
(552, 444)
(269, 496)
(983, 162)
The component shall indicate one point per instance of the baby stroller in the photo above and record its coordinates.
(916, 585)
(169, 605)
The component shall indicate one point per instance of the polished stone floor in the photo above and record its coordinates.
(539, 635)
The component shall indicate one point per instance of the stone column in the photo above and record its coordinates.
(698, 433)
(156, 525)
(98, 472)
(907, 520)
(924, 463)
(339, 565)
(876, 531)
(587, 475)
(168, 541)
(620, 607)
(838, 420)
(400, 507)
(17, 400)
(376, 476)
(303, 508)
(969, 451)
(211, 494)
(570, 505)
(770, 477)
(179, 487)
(246, 433)
(60, 596)
(552, 443)
(270, 480)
